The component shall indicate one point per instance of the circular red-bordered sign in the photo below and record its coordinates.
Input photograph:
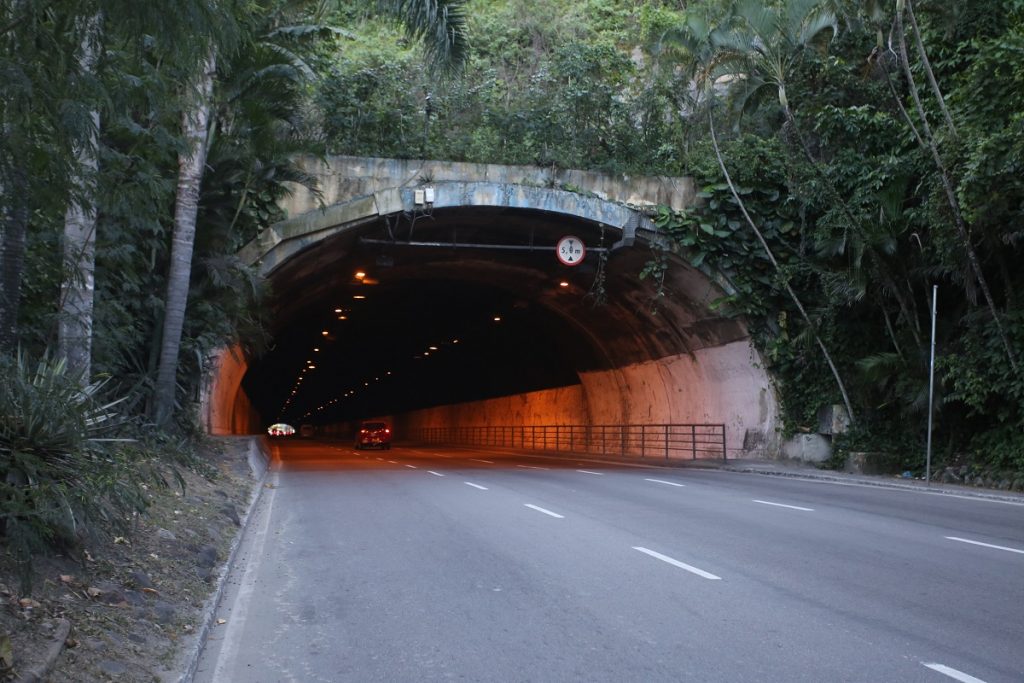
(570, 250)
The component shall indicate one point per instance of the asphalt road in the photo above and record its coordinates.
(468, 565)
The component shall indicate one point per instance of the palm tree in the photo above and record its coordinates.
(74, 320)
(439, 24)
(757, 47)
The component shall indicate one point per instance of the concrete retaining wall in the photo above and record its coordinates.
(225, 407)
(712, 386)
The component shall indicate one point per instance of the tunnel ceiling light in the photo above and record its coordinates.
(455, 341)
(563, 283)
(342, 317)
(316, 348)
(360, 275)
(338, 310)
(433, 348)
(388, 372)
(312, 367)
(325, 333)
(497, 318)
(358, 296)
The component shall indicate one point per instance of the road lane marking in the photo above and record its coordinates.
(783, 505)
(546, 512)
(381, 459)
(476, 486)
(489, 462)
(533, 467)
(412, 467)
(436, 474)
(392, 462)
(952, 673)
(986, 545)
(600, 474)
(677, 563)
(662, 481)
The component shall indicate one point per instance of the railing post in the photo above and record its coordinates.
(643, 441)
(571, 434)
(666, 442)
(724, 456)
(693, 440)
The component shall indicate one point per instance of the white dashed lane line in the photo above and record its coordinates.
(546, 512)
(952, 673)
(986, 545)
(436, 474)
(600, 474)
(677, 563)
(783, 505)
(533, 467)
(669, 483)
(476, 486)
(489, 462)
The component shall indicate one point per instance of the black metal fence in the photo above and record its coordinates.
(665, 441)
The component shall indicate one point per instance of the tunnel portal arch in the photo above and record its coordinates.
(493, 231)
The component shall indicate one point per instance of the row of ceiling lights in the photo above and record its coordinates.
(342, 314)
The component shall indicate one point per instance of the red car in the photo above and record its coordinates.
(373, 434)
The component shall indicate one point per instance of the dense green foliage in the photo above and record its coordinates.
(824, 140)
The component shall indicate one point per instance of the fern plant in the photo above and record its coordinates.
(64, 474)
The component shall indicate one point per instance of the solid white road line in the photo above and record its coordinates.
(412, 467)
(600, 474)
(677, 563)
(532, 467)
(783, 505)
(952, 673)
(476, 486)
(489, 462)
(662, 481)
(436, 474)
(986, 545)
(546, 512)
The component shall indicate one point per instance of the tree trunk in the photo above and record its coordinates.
(951, 198)
(927, 66)
(75, 315)
(771, 257)
(13, 225)
(195, 127)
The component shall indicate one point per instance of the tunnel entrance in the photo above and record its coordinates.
(409, 309)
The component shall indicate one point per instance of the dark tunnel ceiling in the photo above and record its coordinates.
(417, 297)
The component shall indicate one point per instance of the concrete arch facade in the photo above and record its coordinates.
(683, 364)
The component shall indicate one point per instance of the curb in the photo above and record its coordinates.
(937, 489)
(259, 463)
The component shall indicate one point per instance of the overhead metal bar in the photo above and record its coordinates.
(468, 245)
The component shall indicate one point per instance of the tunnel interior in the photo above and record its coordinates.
(456, 306)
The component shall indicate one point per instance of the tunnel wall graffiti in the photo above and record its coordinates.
(711, 386)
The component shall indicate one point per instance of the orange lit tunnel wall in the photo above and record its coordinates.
(225, 407)
(712, 386)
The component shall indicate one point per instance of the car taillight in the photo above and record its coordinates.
(387, 431)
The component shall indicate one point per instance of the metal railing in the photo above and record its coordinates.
(664, 441)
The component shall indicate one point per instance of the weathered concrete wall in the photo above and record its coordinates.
(342, 178)
(562, 406)
(711, 386)
(224, 406)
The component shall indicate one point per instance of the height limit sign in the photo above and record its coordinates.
(570, 250)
